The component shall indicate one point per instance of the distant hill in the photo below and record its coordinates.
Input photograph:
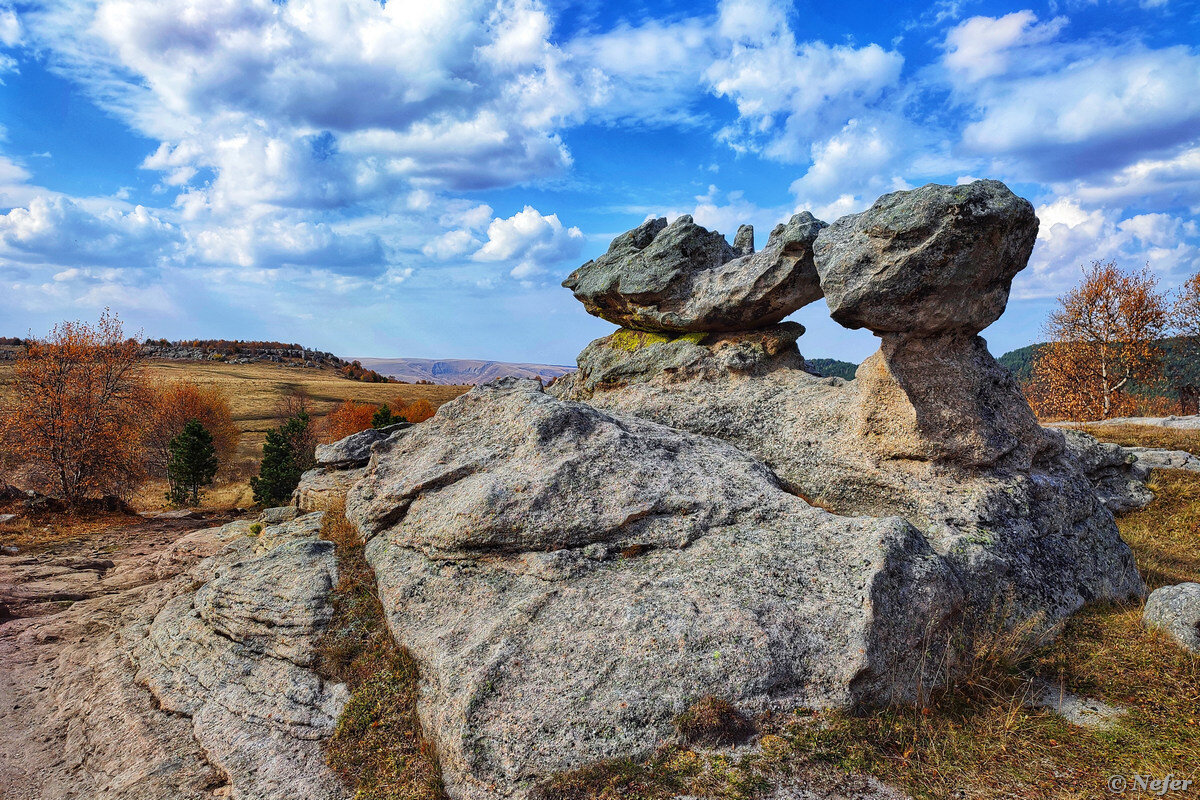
(832, 368)
(459, 371)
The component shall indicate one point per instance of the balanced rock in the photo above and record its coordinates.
(683, 278)
(926, 270)
(929, 260)
(1176, 610)
(355, 449)
(570, 580)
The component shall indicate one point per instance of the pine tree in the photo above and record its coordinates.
(192, 464)
(288, 452)
(383, 417)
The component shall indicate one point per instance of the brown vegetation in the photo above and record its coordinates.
(349, 417)
(1102, 337)
(170, 408)
(417, 411)
(77, 409)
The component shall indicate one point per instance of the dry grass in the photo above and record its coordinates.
(254, 392)
(378, 747)
(1147, 436)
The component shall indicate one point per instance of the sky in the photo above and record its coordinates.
(414, 179)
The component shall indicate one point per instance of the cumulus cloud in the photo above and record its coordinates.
(1058, 111)
(1072, 236)
(789, 92)
(533, 242)
(59, 230)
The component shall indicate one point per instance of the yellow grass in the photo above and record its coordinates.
(254, 392)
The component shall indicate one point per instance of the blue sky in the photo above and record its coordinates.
(415, 178)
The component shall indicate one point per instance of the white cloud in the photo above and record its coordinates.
(982, 47)
(788, 92)
(58, 230)
(535, 242)
(1072, 236)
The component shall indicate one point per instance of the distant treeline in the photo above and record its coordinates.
(832, 368)
(1177, 368)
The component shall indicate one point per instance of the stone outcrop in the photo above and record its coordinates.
(693, 512)
(1176, 611)
(570, 580)
(188, 678)
(339, 466)
(683, 278)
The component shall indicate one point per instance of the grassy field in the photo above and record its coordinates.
(255, 392)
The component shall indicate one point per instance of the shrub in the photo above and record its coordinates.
(713, 722)
(383, 417)
(172, 407)
(288, 452)
(419, 411)
(193, 463)
(349, 417)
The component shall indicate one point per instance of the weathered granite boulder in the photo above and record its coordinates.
(570, 580)
(683, 278)
(1117, 475)
(629, 356)
(1176, 610)
(929, 260)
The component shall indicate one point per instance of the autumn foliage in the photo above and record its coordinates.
(1103, 338)
(347, 418)
(78, 408)
(170, 409)
(417, 411)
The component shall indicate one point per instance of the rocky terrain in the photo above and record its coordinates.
(691, 514)
(181, 671)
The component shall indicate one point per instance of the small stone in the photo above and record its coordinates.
(1176, 611)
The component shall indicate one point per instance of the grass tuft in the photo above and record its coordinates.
(378, 747)
(713, 722)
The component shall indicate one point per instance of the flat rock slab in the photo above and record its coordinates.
(157, 691)
(1155, 458)
(1084, 712)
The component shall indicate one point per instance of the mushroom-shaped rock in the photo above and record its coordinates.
(684, 278)
(926, 270)
(934, 259)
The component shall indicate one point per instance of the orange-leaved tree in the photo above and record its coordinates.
(1103, 337)
(347, 418)
(77, 409)
(418, 411)
(172, 406)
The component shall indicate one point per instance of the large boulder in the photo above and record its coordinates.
(684, 278)
(570, 580)
(929, 260)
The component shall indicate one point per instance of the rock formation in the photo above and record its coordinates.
(694, 513)
(188, 677)
(681, 277)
